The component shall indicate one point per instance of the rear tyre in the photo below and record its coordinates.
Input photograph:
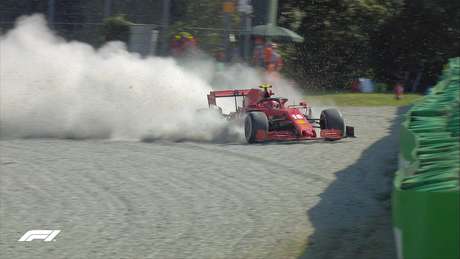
(253, 123)
(332, 119)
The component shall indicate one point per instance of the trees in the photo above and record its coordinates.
(389, 40)
(337, 39)
(417, 43)
(116, 28)
(386, 40)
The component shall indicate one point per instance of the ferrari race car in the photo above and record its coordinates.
(267, 118)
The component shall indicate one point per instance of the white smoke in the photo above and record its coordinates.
(54, 88)
(239, 76)
(50, 87)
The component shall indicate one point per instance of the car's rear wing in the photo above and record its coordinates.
(225, 93)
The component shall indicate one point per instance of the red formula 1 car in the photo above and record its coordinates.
(268, 118)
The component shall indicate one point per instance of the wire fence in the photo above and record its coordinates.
(210, 39)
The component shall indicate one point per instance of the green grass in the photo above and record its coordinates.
(362, 99)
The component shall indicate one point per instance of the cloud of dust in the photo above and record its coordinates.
(54, 88)
(50, 87)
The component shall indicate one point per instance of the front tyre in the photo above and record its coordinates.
(332, 119)
(255, 124)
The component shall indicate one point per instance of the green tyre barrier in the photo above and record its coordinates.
(426, 198)
(426, 224)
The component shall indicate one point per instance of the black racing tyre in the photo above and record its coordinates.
(254, 122)
(332, 119)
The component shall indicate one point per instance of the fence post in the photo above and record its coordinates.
(165, 27)
(107, 8)
(245, 9)
(51, 12)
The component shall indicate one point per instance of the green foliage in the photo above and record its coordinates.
(386, 40)
(389, 41)
(419, 40)
(116, 28)
(382, 88)
(337, 40)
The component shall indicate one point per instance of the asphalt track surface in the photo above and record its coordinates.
(122, 199)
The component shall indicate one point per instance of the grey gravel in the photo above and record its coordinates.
(121, 199)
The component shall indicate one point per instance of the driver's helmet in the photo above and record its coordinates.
(272, 104)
